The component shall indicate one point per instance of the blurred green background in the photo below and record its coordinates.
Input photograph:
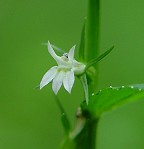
(29, 118)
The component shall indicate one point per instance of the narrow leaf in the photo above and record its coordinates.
(113, 97)
(82, 43)
(64, 118)
(65, 122)
(94, 61)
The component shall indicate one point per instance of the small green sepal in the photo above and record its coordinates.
(96, 60)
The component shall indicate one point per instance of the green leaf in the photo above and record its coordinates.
(83, 80)
(64, 118)
(113, 97)
(65, 122)
(82, 44)
(94, 61)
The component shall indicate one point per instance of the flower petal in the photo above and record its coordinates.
(49, 75)
(51, 51)
(57, 81)
(71, 53)
(69, 81)
(57, 58)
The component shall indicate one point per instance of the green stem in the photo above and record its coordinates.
(83, 136)
(87, 138)
(92, 39)
(92, 33)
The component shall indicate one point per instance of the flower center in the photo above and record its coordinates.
(65, 57)
(64, 69)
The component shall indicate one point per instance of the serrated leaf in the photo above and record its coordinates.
(113, 97)
(94, 61)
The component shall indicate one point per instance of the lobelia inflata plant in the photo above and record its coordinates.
(64, 73)
(95, 103)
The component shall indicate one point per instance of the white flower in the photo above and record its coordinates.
(64, 72)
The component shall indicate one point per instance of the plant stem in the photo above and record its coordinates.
(87, 138)
(92, 51)
(92, 133)
(84, 134)
(92, 38)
